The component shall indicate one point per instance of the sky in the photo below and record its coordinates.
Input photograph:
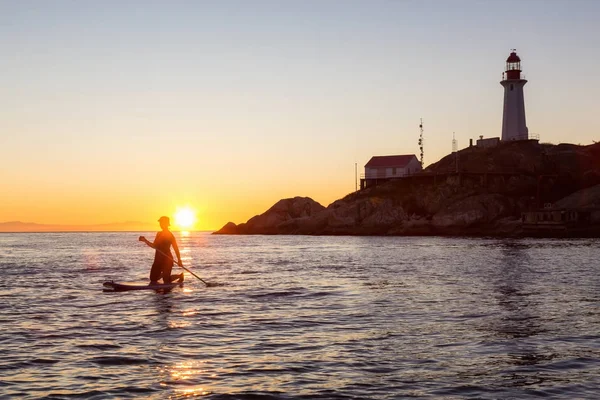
(114, 111)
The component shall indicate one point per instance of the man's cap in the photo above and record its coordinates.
(166, 219)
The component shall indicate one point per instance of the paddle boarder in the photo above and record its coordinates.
(163, 260)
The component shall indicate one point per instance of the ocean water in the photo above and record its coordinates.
(296, 317)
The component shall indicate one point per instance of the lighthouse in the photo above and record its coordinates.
(513, 117)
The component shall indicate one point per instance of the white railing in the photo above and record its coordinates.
(376, 176)
(531, 136)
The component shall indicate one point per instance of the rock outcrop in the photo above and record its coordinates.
(269, 223)
(493, 187)
(584, 198)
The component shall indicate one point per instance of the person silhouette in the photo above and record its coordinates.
(163, 259)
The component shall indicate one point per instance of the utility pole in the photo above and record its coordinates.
(455, 151)
(356, 177)
(421, 143)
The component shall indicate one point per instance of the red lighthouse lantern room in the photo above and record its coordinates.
(513, 66)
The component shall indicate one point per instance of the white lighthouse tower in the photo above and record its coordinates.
(513, 118)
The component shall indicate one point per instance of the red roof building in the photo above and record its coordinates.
(390, 161)
(384, 168)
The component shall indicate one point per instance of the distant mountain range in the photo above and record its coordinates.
(131, 226)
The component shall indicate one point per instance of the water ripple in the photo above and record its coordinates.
(301, 318)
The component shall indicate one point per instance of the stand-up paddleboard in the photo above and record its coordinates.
(112, 286)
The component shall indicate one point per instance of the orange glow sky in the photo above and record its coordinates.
(115, 112)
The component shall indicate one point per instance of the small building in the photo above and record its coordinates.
(562, 222)
(488, 142)
(381, 169)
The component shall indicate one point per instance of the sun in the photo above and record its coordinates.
(185, 218)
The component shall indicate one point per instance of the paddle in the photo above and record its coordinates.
(171, 258)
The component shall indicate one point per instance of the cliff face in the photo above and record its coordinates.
(487, 197)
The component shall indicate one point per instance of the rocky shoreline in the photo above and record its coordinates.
(485, 197)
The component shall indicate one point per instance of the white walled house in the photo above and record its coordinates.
(383, 168)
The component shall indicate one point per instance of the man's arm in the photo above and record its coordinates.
(149, 243)
(176, 248)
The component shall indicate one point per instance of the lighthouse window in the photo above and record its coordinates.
(511, 86)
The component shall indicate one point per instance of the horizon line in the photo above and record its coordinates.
(127, 226)
(107, 231)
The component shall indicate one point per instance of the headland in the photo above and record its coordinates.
(517, 188)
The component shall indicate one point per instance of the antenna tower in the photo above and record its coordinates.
(421, 143)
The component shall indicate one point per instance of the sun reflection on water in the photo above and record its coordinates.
(189, 374)
(191, 392)
(189, 313)
(178, 324)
